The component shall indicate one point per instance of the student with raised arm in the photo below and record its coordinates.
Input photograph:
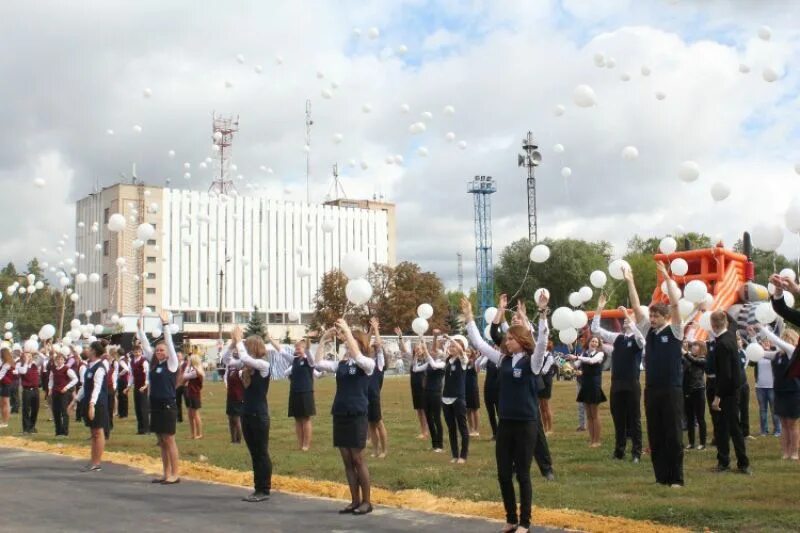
(301, 376)
(434, 379)
(417, 378)
(377, 429)
(163, 408)
(517, 360)
(255, 375)
(472, 393)
(454, 400)
(349, 410)
(591, 391)
(94, 398)
(626, 393)
(234, 398)
(663, 389)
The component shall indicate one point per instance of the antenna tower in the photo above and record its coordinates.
(336, 185)
(481, 187)
(223, 129)
(531, 160)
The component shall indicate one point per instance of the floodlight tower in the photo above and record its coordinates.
(481, 187)
(531, 160)
(223, 129)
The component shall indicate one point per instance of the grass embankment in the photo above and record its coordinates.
(587, 479)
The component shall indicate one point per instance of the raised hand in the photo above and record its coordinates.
(544, 298)
(602, 300)
(790, 285)
(398, 331)
(662, 269)
(502, 303)
(374, 324)
(627, 274)
(164, 317)
(466, 309)
(777, 281)
(236, 335)
(342, 325)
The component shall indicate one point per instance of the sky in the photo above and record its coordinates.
(73, 73)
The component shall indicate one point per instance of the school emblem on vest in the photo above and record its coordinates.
(517, 373)
(89, 375)
(630, 343)
(158, 370)
(352, 370)
(664, 339)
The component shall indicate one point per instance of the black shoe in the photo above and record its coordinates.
(157, 480)
(256, 497)
(720, 468)
(360, 511)
(747, 471)
(91, 468)
(617, 457)
(349, 509)
(175, 482)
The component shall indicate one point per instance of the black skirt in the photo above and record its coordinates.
(350, 431)
(5, 390)
(194, 403)
(417, 393)
(234, 408)
(473, 395)
(546, 392)
(374, 411)
(591, 391)
(163, 417)
(100, 420)
(787, 404)
(301, 405)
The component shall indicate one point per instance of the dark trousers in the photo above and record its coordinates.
(112, 399)
(433, 414)
(626, 413)
(710, 391)
(60, 416)
(514, 452)
(729, 429)
(455, 416)
(13, 399)
(541, 451)
(490, 400)
(122, 402)
(141, 405)
(255, 430)
(30, 408)
(180, 394)
(694, 403)
(79, 406)
(744, 409)
(663, 407)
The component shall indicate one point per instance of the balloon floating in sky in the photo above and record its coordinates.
(645, 70)
(660, 95)
(240, 59)
(417, 128)
(668, 245)
(366, 108)
(625, 76)
(616, 267)
(401, 50)
(462, 145)
(137, 129)
(425, 311)
(258, 69)
(423, 151)
(598, 279)
(566, 172)
(769, 74)
(426, 115)
(767, 236)
(147, 92)
(450, 136)
(116, 223)
(584, 96)
(558, 148)
(679, 266)
(764, 33)
(449, 110)
(720, 191)
(39, 182)
(629, 153)
(337, 138)
(326, 94)
(373, 33)
(744, 69)
(689, 171)
(559, 110)
(405, 108)
(540, 253)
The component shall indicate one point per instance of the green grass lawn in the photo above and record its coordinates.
(587, 479)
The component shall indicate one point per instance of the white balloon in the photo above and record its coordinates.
(145, 232)
(417, 127)
(137, 128)
(39, 286)
(558, 148)
(616, 267)
(685, 307)
(419, 326)
(540, 253)
(426, 115)
(625, 76)
(39, 182)
(358, 291)
(74, 297)
(788, 273)
(679, 266)
(568, 335)
(769, 74)
(629, 153)
(575, 299)
(422, 151)
(401, 50)
(75, 323)
(744, 69)
(8, 335)
(584, 96)
(559, 110)
(689, 171)
(449, 110)
(120, 261)
(720, 191)
(562, 318)
(405, 108)
(355, 265)
(695, 291)
(599, 59)
(99, 329)
(81, 278)
(293, 316)
(660, 95)
(754, 352)
(765, 314)
(668, 245)
(767, 237)
(30, 346)
(373, 33)
(450, 136)
(793, 216)
(94, 277)
(462, 145)
(709, 299)
(579, 319)
(566, 172)
(64, 281)
(115, 318)
(489, 314)
(586, 293)
(47, 332)
(598, 279)
(337, 138)
(788, 297)
(425, 311)
(366, 108)
(116, 223)
(705, 321)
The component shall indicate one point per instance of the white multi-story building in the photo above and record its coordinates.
(264, 253)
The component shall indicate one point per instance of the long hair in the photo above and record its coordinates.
(790, 336)
(257, 350)
(362, 339)
(6, 356)
(701, 348)
(523, 336)
(197, 364)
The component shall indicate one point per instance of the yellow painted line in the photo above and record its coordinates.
(416, 500)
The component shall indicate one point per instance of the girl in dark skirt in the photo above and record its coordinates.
(546, 392)
(472, 393)
(454, 399)
(377, 430)
(417, 376)
(434, 377)
(94, 398)
(234, 399)
(591, 391)
(301, 376)
(163, 407)
(349, 411)
(193, 378)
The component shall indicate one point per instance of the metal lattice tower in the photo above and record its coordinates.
(481, 187)
(223, 129)
(531, 160)
(460, 257)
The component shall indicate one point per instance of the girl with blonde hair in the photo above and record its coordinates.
(193, 378)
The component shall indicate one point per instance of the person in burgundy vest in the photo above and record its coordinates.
(193, 377)
(235, 399)
(140, 369)
(6, 377)
(62, 383)
(29, 380)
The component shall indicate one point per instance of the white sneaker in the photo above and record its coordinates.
(3, 426)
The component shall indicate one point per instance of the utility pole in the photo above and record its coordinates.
(531, 160)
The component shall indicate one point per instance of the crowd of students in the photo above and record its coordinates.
(683, 377)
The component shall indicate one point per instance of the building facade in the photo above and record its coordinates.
(244, 251)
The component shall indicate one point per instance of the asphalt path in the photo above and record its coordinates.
(43, 492)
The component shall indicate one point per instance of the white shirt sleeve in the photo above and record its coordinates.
(481, 345)
(328, 366)
(262, 365)
(548, 363)
(433, 363)
(190, 373)
(73, 379)
(594, 359)
(781, 344)
(419, 367)
(21, 369)
(172, 355)
(604, 334)
(147, 350)
(4, 370)
(364, 363)
(98, 383)
(380, 359)
(541, 343)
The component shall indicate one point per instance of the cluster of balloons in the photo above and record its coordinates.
(568, 321)
(355, 265)
(580, 297)
(420, 324)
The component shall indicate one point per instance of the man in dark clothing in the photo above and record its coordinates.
(726, 399)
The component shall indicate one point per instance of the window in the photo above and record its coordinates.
(106, 215)
(227, 318)
(151, 290)
(105, 281)
(190, 317)
(151, 275)
(151, 259)
(105, 248)
(276, 318)
(242, 318)
(151, 242)
(208, 317)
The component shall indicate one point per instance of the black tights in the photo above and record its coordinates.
(455, 416)
(433, 414)
(357, 472)
(235, 427)
(514, 452)
(694, 402)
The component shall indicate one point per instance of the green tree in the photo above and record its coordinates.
(256, 325)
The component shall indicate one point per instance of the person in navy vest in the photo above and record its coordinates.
(163, 408)
(62, 381)
(140, 370)
(626, 394)
(591, 393)
(377, 430)
(301, 374)
(434, 377)
(417, 381)
(663, 389)
(454, 402)
(28, 373)
(234, 398)
(517, 361)
(473, 393)
(94, 398)
(255, 374)
(349, 410)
